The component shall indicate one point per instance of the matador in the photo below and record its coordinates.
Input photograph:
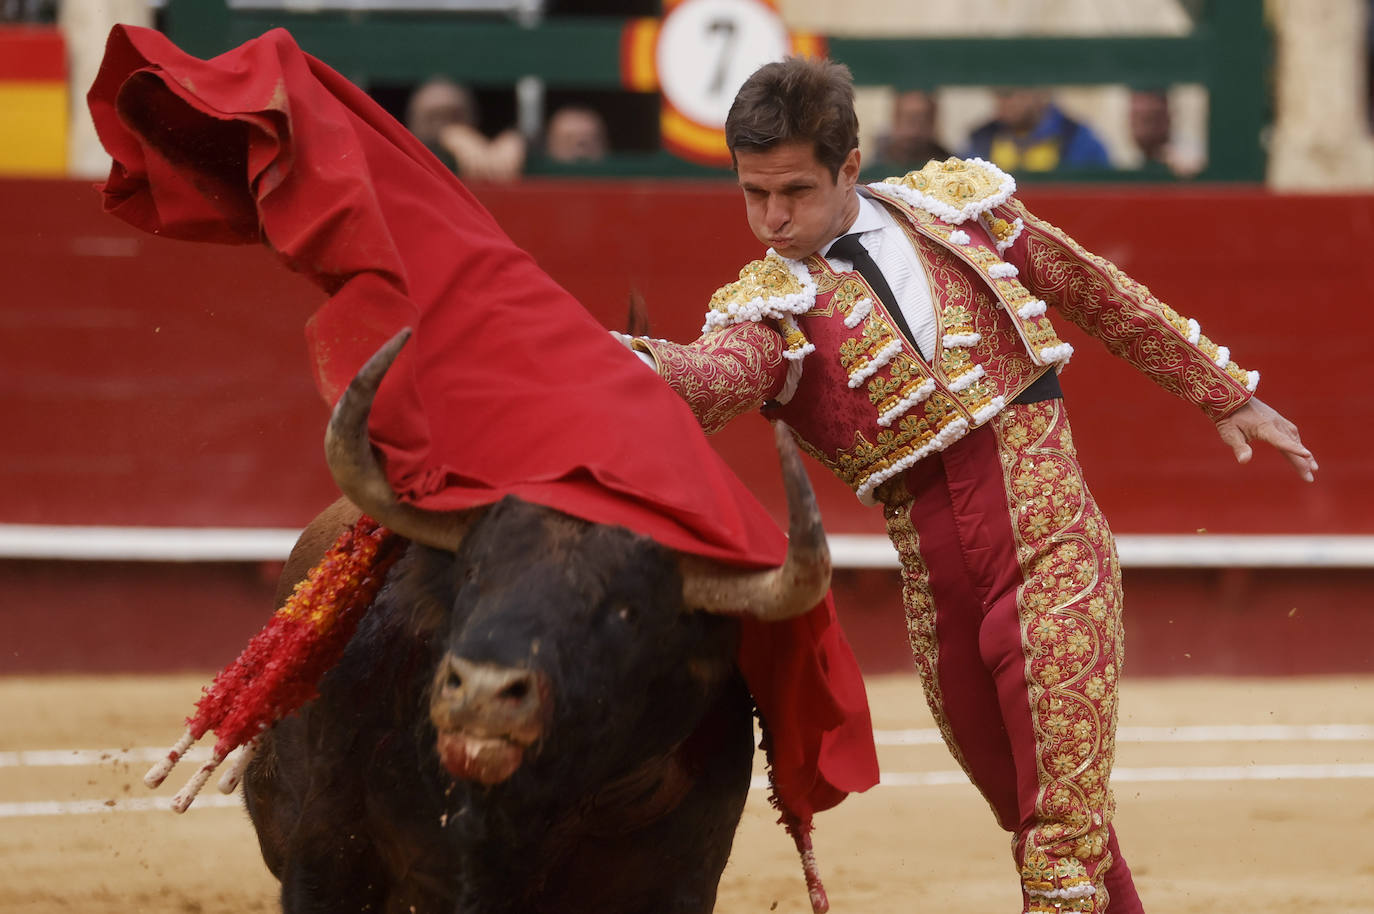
(902, 329)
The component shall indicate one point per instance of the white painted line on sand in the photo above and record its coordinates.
(88, 807)
(1356, 771)
(1202, 733)
(61, 758)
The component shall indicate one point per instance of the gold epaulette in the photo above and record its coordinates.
(773, 287)
(954, 190)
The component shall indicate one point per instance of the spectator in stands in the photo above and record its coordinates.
(910, 141)
(1152, 132)
(576, 134)
(443, 116)
(1030, 133)
(29, 11)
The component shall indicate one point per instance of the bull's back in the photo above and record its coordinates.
(313, 543)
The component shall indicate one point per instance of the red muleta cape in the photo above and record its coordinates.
(508, 387)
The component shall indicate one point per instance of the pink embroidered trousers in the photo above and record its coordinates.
(1013, 601)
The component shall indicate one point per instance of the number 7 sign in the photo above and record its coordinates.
(697, 57)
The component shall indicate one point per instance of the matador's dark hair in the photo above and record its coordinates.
(796, 99)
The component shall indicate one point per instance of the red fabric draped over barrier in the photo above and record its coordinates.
(508, 387)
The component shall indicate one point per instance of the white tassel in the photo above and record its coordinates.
(861, 309)
(158, 773)
(859, 375)
(1017, 227)
(994, 407)
(1058, 353)
(943, 439)
(187, 795)
(926, 388)
(233, 776)
(961, 340)
(967, 379)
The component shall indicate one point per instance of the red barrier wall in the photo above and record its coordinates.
(119, 617)
(158, 382)
(152, 382)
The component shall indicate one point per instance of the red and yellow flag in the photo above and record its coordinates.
(33, 96)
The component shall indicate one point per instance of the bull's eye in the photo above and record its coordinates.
(627, 613)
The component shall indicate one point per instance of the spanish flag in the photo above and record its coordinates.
(33, 95)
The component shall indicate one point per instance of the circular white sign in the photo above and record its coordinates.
(708, 48)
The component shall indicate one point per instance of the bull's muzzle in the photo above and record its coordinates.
(486, 717)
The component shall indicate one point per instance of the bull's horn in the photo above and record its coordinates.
(361, 478)
(777, 593)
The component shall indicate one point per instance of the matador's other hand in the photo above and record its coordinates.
(1257, 420)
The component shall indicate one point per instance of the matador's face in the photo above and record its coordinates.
(793, 203)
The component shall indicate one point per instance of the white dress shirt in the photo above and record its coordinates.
(895, 256)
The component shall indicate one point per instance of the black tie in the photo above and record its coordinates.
(849, 248)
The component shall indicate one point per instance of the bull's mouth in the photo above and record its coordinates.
(487, 760)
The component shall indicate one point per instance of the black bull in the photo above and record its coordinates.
(530, 718)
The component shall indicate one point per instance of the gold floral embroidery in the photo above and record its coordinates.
(724, 373)
(955, 184)
(1133, 324)
(849, 293)
(1001, 229)
(768, 278)
(858, 352)
(909, 434)
(1007, 367)
(1070, 612)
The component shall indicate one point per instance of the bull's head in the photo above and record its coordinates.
(528, 567)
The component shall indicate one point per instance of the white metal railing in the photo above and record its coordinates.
(265, 544)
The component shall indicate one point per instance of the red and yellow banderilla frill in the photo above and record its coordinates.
(281, 667)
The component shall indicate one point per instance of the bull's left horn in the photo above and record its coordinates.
(777, 593)
(348, 450)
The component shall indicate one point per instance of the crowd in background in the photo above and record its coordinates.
(1319, 95)
(444, 116)
(1028, 132)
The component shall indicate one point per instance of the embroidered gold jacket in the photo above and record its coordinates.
(824, 353)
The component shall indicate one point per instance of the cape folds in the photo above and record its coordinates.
(508, 387)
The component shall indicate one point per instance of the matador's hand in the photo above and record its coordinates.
(1258, 420)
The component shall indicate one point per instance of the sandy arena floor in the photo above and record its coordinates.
(1243, 810)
